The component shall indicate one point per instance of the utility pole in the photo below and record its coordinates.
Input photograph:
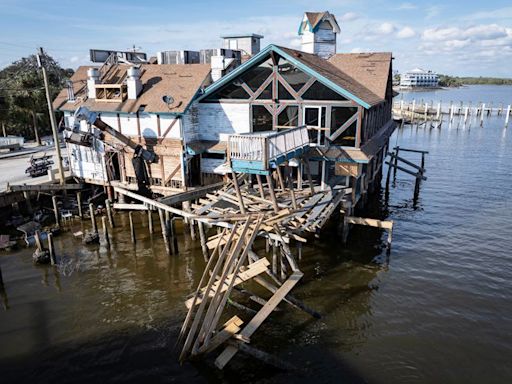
(52, 116)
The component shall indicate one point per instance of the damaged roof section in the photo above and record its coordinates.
(179, 81)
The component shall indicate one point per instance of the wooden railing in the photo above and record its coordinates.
(266, 146)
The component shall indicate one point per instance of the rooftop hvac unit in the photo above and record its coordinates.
(178, 57)
(206, 54)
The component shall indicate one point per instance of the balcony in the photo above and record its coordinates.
(258, 152)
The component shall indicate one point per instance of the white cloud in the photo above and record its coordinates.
(406, 33)
(501, 13)
(349, 16)
(385, 29)
(478, 32)
(432, 11)
(74, 59)
(407, 6)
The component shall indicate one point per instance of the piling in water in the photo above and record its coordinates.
(132, 227)
(105, 230)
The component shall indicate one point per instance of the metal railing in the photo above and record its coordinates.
(267, 146)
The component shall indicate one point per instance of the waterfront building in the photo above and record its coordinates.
(419, 78)
(185, 117)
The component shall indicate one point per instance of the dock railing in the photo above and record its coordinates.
(266, 147)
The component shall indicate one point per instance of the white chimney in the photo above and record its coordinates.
(93, 78)
(318, 31)
(220, 65)
(133, 83)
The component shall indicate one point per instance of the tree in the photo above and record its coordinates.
(22, 90)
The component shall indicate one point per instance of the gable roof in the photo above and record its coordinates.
(325, 72)
(181, 81)
(370, 69)
(313, 19)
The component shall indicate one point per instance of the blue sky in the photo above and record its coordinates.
(453, 37)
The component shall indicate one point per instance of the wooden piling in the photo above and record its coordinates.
(56, 211)
(51, 249)
(202, 236)
(37, 238)
(164, 230)
(108, 204)
(93, 218)
(291, 188)
(260, 186)
(150, 222)
(272, 194)
(238, 193)
(308, 173)
(105, 230)
(132, 227)
(174, 237)
(280, 178)
(482, 115)
(79, 204)
(397, 149)
(507, 116)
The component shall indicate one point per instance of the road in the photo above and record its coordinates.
(14, 164)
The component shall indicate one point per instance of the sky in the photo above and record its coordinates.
(464, 38)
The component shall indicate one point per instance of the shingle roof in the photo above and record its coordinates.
(314, 18)
(370, 69)
(337, 76)
(181, 81)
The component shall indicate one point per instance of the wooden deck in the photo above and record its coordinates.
(257, 153)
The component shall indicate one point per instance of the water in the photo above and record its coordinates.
(437, 310)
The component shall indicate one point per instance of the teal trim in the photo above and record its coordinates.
(325, 81)
(236, 72)
(301, 31)
(248, 164)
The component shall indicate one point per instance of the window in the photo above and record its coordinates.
(339, 115)
(289, 117)
(319, 91)
(256, 76)
(266, 94)
(261, 119)
(232, 90)
(292, 75)
(283, 93)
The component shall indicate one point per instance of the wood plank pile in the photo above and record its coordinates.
(209, 325)
(310, 215)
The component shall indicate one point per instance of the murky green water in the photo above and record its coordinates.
(437, 310)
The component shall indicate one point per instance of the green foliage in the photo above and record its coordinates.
(22, 95)
(454, 81)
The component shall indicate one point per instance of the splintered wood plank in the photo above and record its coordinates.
(370, 222)
(318, 208)
(252, 270)
(231, 327)
(259, 318)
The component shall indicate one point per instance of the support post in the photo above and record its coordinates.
(238, 193)
(164, 231)
(308, 173)
(51, 248)
(37, 238)
(150, 221)
(93, 218)
(202, 236)
(280, 178)
(260, 186)
(132, 227)
(56, 211)
(105, 230)
(272, 194)
(291, 188)
(108, 203)
(396, 163)
(79, 204)
(507, 116)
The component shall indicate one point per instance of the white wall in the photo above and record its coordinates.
(207, 121)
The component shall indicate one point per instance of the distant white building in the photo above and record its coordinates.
(419, 78)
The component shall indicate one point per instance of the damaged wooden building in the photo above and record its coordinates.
(342, 101)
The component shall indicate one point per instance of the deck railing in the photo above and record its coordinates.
(267, 146)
